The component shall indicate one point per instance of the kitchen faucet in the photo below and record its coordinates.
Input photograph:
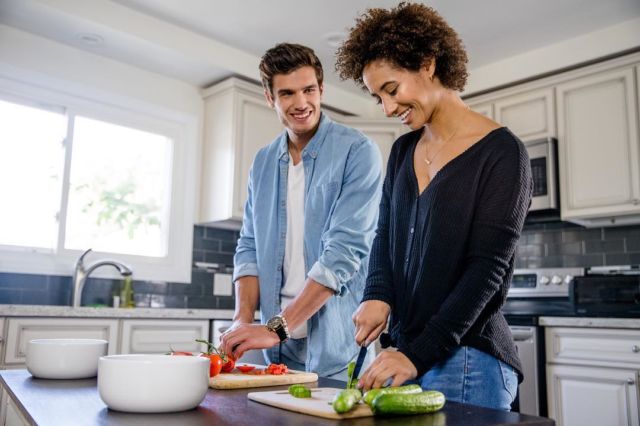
(81, 274)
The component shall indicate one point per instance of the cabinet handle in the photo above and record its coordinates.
(635, 349)
(631, 381)
(635, 201)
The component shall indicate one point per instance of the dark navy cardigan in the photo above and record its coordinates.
(444, 259)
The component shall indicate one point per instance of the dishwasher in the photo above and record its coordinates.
(529, 391)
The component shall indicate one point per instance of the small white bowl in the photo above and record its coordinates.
(152, 383)
(65, 358)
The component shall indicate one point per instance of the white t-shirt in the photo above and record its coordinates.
(294, 274)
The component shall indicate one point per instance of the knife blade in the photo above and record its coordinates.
(359, 362)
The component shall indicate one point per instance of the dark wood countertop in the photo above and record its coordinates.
(76, 402)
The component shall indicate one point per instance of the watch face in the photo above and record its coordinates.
(274, 322)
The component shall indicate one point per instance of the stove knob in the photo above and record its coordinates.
(568, 279)
(556, 279)
(544, 280)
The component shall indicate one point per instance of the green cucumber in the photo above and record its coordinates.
(345, 400)
(373, 393)
(300, 391)
(415, 403)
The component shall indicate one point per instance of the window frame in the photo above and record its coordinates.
(180, 127)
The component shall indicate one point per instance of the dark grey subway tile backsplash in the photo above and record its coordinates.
(541, 245)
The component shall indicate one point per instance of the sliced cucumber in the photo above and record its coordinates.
(345, 400)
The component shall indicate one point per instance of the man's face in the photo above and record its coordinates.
(296, 99)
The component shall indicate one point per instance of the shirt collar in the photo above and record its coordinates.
(314, 144)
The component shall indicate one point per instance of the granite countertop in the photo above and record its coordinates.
(589, 322)
(89, 312)
(65, 402)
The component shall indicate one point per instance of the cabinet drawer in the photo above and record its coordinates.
(21, 330)
(160, 336)
(606, 347)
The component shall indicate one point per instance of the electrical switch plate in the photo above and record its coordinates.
(222, 285)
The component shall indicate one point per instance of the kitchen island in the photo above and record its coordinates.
(76, 402)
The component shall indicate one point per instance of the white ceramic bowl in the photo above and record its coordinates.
(152, 383)
(64, 358)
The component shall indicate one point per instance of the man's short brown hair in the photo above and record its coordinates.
(285, 58)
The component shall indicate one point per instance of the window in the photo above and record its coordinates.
(85, 175)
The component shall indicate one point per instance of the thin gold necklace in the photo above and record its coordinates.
(426, 158)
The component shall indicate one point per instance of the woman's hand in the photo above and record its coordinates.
(388, 364)
(242, 336)
(370, 319)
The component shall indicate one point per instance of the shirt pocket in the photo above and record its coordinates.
(321, 200)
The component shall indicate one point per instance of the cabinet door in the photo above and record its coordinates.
(529, 115)
(21, 330)
(598, 145)
(581, 396)
(160, 336)
(257, 125)
(484, 108)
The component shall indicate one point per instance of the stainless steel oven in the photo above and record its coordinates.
(535, 293)
(544, 170)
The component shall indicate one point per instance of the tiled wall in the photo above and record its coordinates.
(541, 245)
(209, 245)
(563, 244)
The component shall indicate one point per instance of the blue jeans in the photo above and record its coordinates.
(473, 377)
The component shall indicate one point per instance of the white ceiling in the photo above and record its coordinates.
(201, 41)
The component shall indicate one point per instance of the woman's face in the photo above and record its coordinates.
(409, 95)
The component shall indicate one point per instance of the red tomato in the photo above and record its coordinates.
(215, 364)
(229, 365)
(246, 368)
(277, 369)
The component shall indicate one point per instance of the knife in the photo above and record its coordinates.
(359, 362)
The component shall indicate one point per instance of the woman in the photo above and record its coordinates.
(455, 197)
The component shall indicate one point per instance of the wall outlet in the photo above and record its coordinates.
(222, 285)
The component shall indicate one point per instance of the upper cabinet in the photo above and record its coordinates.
(593, 112)
(237, 123)
(599, 157)
(529, 114)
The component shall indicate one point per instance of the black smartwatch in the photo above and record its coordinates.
(278, 325)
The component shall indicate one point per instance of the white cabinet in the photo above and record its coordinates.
(592, 376)
(484, 108)
(599, 155)
(161, 336)
(382, 132)
(530, 115)
(21, 330)
(238, 122)
(13, 416)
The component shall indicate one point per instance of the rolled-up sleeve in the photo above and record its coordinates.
(245, 261)
(347, 240)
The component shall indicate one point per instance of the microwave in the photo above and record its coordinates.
(543, 154)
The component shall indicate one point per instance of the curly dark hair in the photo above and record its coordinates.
(285, 58)
(408, 36)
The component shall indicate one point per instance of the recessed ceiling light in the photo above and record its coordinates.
(90, 39)
(335, 39)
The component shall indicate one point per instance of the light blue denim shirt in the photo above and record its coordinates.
(342, 191)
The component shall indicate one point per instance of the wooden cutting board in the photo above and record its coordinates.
(318, 405)
(238, 380)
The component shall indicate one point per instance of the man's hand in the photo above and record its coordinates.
(388, 364)
(370, 319)
(242, 336)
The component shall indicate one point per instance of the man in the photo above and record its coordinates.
(308, 226)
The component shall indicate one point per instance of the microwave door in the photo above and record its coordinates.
(543, 170)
